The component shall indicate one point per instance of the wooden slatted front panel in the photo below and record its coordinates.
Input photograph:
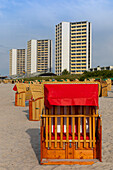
(67, 125)
(36, 110)
(61, 126)
(55, 127)
(90, 128)
(93, 127)
(46, 128)
(84, 127)
(73, 124)
(49, 128)
(33, 110)
(80, 127)
(23, 99)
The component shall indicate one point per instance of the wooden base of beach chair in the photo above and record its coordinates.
(68, 162)
(70, 145)
(68, 155)
(35, 109)
(20, 99)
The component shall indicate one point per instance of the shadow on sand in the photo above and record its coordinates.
(27, 115)
(35, 141)
(27, 103)
(13, 103)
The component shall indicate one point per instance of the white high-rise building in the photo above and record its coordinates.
(39, 56)
(17, 62)
(32, 56)
(73, 47)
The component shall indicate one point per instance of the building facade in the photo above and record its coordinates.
(73, 47)
(98, 68)
(39, 56)
(17, 62)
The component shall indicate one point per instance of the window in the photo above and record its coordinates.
(83, 25)
(83, 29)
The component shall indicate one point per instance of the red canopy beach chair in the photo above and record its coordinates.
(71, 128)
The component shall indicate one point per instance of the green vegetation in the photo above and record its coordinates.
(66, 75)
(58, 78)
(65, 72)
(97, 74)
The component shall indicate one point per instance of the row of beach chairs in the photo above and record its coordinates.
(71, 126)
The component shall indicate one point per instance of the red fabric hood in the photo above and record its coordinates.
(15, 88)
(71, 94)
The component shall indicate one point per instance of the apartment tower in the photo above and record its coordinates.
(73, 47)
(39, 56)
(17, 62)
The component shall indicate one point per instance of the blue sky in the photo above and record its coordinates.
(22, 20)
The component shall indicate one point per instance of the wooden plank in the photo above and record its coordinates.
(41, 141)
(36, 110)
(90, 128)
(93, 127)
(67, 125)
(100, 156)
(19, 99)
(49, 162)
(33, 110)
(61, 126)
(55, 127)
(84, 127)
(78, 128)
(49, 128)
(73, 124)
(23, 99)
(30, 110)
(74, 141)
(55, 154)
(43, 126)
(71, 115)
(41, 106)
(70, 154)
(21, 95)
(83, 154)
(46, 129)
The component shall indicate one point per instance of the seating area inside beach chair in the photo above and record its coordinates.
(71, 128)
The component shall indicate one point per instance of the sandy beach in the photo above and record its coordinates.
(20, 138)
